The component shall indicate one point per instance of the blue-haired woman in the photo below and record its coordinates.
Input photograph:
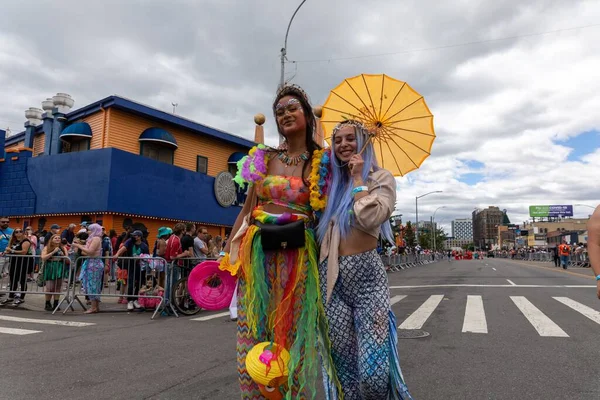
(353, 281)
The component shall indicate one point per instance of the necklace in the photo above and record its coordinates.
(295, 160)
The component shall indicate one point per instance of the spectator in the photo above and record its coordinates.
(564, 251)
(123, 237)
(134, 247)
(200, 246)
(19, 245)
(69, 233)
(92, 269)
(160, 246)
(174, 243)
(54, 269)
(54, 230)
(187, 243)
(217, 246)
(34, 244)
(107, 252)
(5, 234)
(113, 239)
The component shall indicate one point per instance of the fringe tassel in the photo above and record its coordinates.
(398, 391)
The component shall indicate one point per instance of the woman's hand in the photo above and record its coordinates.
(356, 164)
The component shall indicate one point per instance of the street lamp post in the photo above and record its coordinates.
(433, 226)
(417, 212)
(284, 49)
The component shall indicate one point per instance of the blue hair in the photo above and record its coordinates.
(340, 200)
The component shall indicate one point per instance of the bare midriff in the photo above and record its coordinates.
(276, 209)
(357, 242)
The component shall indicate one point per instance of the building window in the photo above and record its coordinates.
(157, 152)
(75, 145)
(202, 165)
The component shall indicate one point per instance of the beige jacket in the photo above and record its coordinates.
(369, 213)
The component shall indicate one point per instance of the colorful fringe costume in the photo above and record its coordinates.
(278, 291)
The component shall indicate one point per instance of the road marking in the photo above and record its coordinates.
(490, 286)
(14, 331)
(417, 319)
(580, 308)
(493, 268)
(396, 299)
(511, 282)
(542, 324)
(45, 321)
(209, 317)
(474, 316)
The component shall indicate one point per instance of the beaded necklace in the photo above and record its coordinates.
(287, 160)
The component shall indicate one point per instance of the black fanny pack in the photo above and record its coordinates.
(281, 237)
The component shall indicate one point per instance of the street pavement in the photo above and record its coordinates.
(498, 329)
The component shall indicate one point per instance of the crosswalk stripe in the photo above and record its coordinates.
(44, 321)
(580, 308)
(417, 319)
(475, 321)
(15, 331)
(396, 299)
(208, 317)
(542, 324)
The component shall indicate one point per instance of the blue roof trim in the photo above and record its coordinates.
(80, 129)
(158, 135)
(235, 157)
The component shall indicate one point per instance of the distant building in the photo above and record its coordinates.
(462, 228)
(452, 243)
(550, 233)
(485, 226)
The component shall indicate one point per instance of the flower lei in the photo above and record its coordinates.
(319, 180)
(252, 167)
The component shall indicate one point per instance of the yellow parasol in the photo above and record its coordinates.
(396, 115)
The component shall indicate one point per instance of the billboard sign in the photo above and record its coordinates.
(551, 211)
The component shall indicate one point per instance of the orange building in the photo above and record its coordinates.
(118, 162)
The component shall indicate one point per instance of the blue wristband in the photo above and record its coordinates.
(598, 277)
(359, 189)
(222, 254)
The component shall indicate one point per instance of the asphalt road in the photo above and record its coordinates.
(525, 337)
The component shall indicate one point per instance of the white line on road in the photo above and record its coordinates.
(45, 321)
(396, 299)
(420, 316)
(14, 331)
(208, 317)
(474, 316)
(490, 286)
(542, 324)
(511, 282)
(493, 268)
(580, 308)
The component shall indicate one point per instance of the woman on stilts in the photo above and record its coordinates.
(273, 252)
(353, 280)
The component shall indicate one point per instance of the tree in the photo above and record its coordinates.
(409, 235)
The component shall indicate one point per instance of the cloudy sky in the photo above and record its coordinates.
(515, 90)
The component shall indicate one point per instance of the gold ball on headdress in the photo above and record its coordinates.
(318, 111)
(259, 119)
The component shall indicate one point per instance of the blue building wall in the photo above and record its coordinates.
(112, 180)
(16, 194)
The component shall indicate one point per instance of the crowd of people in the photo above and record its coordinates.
(91, 257)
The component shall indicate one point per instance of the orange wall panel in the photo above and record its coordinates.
(125, 129)
(38, 144)
(96, 122)
(15, 145)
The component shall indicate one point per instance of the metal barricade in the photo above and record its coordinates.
(398, 262)
(138, 282)
(19, 279)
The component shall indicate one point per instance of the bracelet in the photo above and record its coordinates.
(359, 189)
(222, 254)
(598, 277)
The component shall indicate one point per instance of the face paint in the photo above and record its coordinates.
(291, 106)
